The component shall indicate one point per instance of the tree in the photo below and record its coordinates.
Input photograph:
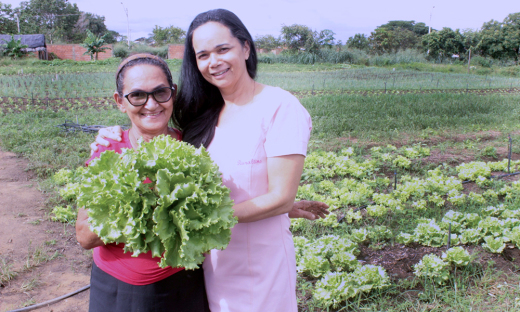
(420, 29)
(53, 18)
(267, 42)
(359, 41)
(444, 43)
(94, 44)
(396, 35)
(7, 19)
(471, 39)
(171, 34)
(326, 38)
(96, 24)
(501, 40)
(300, 38)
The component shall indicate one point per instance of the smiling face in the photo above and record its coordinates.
(151, 118)
(221, 58)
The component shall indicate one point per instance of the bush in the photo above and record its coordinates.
(120, 50)
(349, 56)
(13, 48)
(482, 61)
(159, 51)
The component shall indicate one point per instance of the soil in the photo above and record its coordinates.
(398, 260)
(48, 261)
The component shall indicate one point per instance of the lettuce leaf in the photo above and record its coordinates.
(184, 212)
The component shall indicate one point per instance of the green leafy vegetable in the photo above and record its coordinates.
(183, 213)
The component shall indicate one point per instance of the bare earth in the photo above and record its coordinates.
(45, 254)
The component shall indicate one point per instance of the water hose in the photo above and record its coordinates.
(52, 301)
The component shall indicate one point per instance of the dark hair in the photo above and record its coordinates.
(140, 59)
(199, 103)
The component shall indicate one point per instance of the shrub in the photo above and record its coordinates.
(13, 48)
(120, 50)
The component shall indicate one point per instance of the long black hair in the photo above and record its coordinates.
(199, 103)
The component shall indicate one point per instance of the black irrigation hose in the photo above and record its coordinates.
(47, 303)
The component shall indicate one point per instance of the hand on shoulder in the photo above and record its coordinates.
(113, 133)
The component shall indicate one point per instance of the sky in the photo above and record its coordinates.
(344, 17)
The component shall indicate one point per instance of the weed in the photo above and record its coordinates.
(38, 256)
(29, 302)
(6, 271)
(30, 284)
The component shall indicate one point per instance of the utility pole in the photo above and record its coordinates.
(430, 29)
(18, 22)
(127, 25)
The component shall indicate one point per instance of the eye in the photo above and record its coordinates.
(137, 95)
(202, 56)
(223, 50)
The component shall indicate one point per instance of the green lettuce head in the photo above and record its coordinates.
(184, 212)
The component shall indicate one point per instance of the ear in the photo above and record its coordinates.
(174, 95)
(119, 100)
(247, 49)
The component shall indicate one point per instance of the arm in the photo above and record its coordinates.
(86, 238)
(113, 133)
(284, 174)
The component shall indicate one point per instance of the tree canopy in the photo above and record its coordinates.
(58, 20)
(170, 34)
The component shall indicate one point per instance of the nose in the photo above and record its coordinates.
(151, 102)
(213, 60)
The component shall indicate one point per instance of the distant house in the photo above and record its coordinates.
(34, 43)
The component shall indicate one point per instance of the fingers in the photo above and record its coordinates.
(101, 141)
(308, 215)
(113, 133)
(93, 148)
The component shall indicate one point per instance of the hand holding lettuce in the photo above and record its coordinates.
(183, 213)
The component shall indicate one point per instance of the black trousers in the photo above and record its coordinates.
(183, 291)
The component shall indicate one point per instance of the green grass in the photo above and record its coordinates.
(32, 65)
(393, 115)
(289, 77)
(35, 136)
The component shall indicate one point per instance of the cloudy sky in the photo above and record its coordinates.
(344, 17)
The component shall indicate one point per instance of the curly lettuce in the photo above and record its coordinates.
(184, 212)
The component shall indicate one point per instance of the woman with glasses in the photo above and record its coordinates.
(120, 282)
(257, 134)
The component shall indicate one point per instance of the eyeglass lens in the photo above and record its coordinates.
(160, 95)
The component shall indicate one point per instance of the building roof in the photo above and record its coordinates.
(32, 41)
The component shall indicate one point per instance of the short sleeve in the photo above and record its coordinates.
(289, 129)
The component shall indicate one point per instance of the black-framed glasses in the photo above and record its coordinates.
(139, 98)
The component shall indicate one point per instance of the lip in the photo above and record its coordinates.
(152, 115)
(220, 74)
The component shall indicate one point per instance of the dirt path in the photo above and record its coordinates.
(43, 254)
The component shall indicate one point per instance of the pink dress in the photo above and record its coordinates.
(257, 271)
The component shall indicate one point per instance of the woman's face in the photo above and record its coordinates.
(221, 58)
(151, 117)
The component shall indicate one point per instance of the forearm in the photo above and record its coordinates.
(284, 174)
(262, 207)
(86, 238)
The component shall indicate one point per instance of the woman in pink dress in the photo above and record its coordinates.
(258, 135)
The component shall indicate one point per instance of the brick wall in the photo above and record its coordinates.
(75, 52)
(175, 51)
